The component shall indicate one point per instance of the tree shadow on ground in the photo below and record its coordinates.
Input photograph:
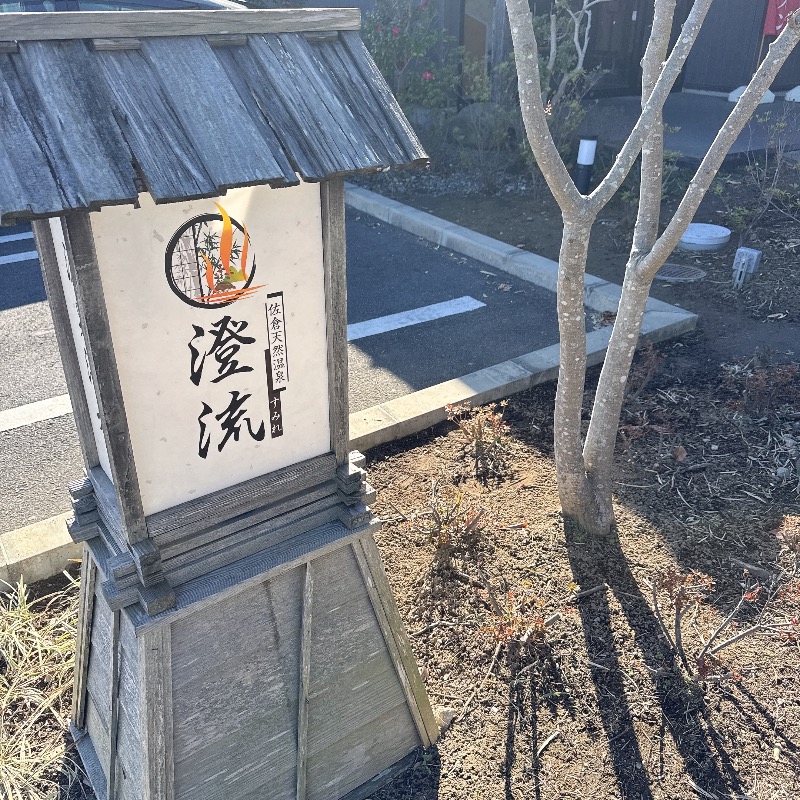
(419, 778)
(535, 684)
(598, 560)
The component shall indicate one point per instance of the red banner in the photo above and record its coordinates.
(777, 11)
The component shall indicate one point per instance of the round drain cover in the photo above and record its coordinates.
(679, 273)
(702, 236)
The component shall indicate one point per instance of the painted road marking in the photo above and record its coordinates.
(16, 258)
(391, 322)
(35, 412)
(15, 237)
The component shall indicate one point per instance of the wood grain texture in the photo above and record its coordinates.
(118, 24)
(198, 89)
(245, 545)
(99, 676)
(396, 121)
(305, 680)
(100, 350)
(91, 761)
(130, 760)
(239, 577)
(369, 561)
(24, 165)
(156, 709)
(359, 722)
(83, 637)
(235, 679)
(254, 84)
(90, 123)
(97, 732)
(85, 147)
(116, 44)
(334, 265)
(262, 521)
(113, 691)
(211, 509)
(164, 154)
(66, 342)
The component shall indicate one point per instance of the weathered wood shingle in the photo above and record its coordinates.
(84, 126)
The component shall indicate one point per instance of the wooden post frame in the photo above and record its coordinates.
(237, 635)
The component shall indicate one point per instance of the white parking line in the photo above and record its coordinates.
(16, 258)
(35, 412)
(391, 322)
(15, 237)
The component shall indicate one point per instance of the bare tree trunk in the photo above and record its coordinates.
(585, 472)
(573, 488)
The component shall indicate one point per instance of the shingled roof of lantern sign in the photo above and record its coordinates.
(99, 106)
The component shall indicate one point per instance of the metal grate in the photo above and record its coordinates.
(679, 273)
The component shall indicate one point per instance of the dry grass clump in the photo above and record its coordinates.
(37, 644)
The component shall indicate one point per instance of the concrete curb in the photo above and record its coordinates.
(417, 411)
(44, 549)
(37, 551)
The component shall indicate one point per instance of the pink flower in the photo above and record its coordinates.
(379, 28)
(396, 30)
(427, 76)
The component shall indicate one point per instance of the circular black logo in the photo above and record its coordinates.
(210, 261)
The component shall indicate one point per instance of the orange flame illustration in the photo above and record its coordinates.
(226, 240)
(243, 259)
(209, 273)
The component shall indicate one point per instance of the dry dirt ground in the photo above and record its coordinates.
(598, 702)
(551, 656)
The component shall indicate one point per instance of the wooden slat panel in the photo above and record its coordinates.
(88, 151)
(224, 136)
(395, 119)
(305, 680)
(378, 745)
(297, 96)
(352, 699)
(167, 160)
(360, 101)
(243, 546)
(156, 709)
(82, 645)
(235, 687)
(243, 80)
(110, 24)
(211, 509)
(369, 562)
(114, 657)
(339, 119)
(98, 733)
(250, 76)
(129, 761)
(98, 681)
(24, 165)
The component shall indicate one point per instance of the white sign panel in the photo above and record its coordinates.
(217, 315)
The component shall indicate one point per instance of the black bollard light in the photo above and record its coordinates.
(583, 169)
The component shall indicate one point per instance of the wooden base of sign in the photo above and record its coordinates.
(285, 674)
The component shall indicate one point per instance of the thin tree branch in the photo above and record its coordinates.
(778, 52)
(669, 74)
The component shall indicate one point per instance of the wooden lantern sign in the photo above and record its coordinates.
(237, 636)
